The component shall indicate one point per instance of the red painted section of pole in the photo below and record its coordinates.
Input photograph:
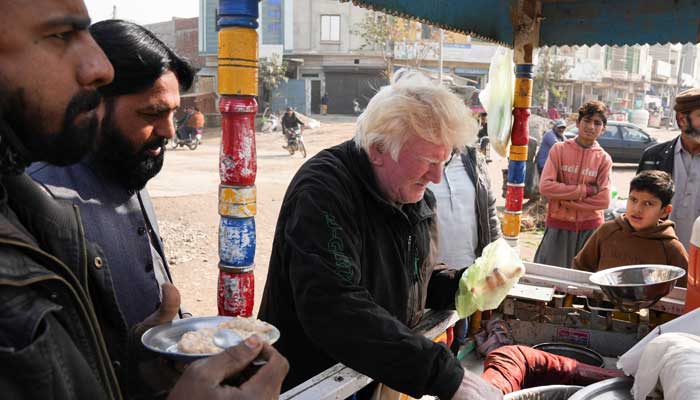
(520, 132)
(238, 164)
(236, 291)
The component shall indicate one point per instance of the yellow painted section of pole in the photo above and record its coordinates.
(523, 93)
(237, 194)
(238, 210)
(237, 202)
(518, 153)
(511, 224)
(238, 61)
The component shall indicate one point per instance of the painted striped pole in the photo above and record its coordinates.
(238, 86)
(518, 151)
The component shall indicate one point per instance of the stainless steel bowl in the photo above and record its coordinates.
(163, 338)
(609, 389)
(634, 287)
(551, 392)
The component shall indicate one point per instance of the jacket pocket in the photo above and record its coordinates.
(50, 367)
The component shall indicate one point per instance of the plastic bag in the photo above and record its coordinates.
(485, 284)
(497, 99)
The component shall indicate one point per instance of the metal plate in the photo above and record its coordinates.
(609, 389)
(163, 338)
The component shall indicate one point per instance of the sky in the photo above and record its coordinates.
(142, 11)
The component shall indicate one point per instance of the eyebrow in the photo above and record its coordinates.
(77, 23)
(157, 108)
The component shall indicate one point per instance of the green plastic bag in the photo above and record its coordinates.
(485, 284)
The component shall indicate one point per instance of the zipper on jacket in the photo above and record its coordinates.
(412, 259)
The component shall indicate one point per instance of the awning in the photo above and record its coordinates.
(564, 22)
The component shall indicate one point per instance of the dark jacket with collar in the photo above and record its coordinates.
(659, 157)
(51, 342)
(350, 274)
(488, 225)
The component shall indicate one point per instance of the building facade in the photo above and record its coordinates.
(323, 47)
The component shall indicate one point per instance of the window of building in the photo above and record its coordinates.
(330, 28)
(632, 60)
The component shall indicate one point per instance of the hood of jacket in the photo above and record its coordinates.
(664, 230)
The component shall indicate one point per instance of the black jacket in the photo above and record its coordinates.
(659, 157)
(51, 343)
(488, 226)
(350, 274)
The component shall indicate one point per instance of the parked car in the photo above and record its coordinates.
(624, 141)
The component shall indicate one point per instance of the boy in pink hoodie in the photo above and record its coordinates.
(576, 181)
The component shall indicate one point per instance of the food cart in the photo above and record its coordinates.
(538, 311)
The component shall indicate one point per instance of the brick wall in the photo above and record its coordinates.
(187, 40)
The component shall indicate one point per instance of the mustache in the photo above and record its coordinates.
(83, 101)
(153, 144)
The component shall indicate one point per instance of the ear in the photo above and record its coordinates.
(682, 121)
(376, 154)
(666, 211)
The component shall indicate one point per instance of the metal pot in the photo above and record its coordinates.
(578, 353)
(552, 392)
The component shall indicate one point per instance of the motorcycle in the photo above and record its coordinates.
(186, 137)
(357, 110)
(295, 141)
(272, 123)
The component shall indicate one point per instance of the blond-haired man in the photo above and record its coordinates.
(351, 268)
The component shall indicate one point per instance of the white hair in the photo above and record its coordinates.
(413, 105)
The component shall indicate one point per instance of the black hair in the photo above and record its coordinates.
(658, 183)
(139, 58)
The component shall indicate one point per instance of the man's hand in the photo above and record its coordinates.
(166, 312)
(203, 378)
(473, 387)
(591, 190)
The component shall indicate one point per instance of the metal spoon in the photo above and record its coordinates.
(226, 338)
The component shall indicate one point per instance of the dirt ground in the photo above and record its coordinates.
(185, 195)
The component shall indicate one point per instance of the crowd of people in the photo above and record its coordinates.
(371, 232)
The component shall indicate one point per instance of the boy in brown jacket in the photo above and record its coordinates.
(640, 236)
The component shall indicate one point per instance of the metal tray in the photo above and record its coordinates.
(163, 339)
(609, 389)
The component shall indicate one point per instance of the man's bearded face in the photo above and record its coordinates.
(73, 139)
(126, 162)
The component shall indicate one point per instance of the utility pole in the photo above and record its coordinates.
(114, 11)
(679, 82)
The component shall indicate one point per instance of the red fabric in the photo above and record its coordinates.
(512, 368)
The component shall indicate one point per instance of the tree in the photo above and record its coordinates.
(271, 73)
(381, 33)
(550, 72)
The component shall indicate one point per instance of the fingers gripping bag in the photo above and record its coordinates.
(497, 99)
(485, 284)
